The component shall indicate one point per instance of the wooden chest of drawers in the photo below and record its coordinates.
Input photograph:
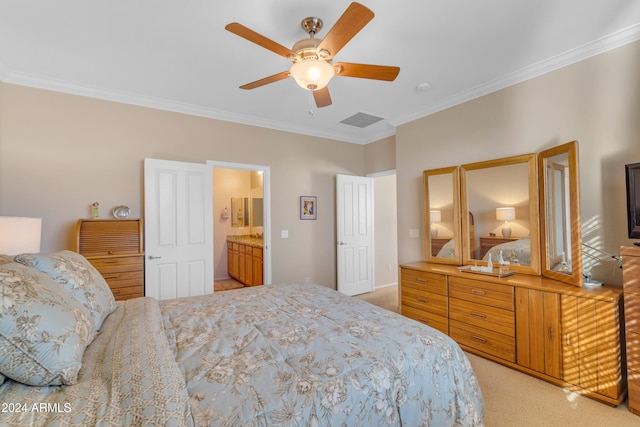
(482, 316)
(114, 248)
(560, 333)
(631, 279)
(424, 298)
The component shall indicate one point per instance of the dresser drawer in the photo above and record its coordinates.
(423, 300)
(435, 321)
(491, 294)
(116, 264)
(436, 283)
(490, 342)
(632, 311)
(484, 316)
(633, 350)
(127, 292)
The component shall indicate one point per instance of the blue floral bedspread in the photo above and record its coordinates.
(277, 355)
(305, 355)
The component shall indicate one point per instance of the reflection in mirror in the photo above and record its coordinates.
(501, 195)
(442, 215)
(239, 211)
(560, 223)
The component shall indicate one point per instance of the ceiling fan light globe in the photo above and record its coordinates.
(311, 74)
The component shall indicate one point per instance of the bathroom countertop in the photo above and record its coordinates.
(247, 240)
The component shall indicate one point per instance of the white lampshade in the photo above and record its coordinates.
(435, 216)
(19, 235)
(505, 214)
(312, 74)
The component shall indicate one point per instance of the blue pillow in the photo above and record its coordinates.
(79, 277)
(43, 329)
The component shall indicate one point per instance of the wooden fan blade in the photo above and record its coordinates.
(322, 97)
(259, 39)
(350, 23)
(271, 79)
(366, 71)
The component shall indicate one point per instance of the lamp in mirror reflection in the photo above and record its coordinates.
(506, 214)
(19, 235)
(435, 216)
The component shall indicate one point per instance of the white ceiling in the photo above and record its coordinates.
(176, 55)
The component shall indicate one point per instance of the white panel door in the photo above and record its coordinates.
(354, 221)
(178, 204)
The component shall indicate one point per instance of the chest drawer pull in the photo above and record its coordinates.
(550, 334)
(421, 280)
(477, 291)
(423, 320)
(111, 277)
(115, 291)
(110, 261)
(478, 315)
(424, 300)
(479, 339)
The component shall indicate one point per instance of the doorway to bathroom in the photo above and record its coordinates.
(241, 207)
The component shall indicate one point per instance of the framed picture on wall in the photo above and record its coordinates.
(308, 207)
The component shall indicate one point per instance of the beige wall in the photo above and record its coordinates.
(596, 101)
(386, 233)
(380, 156)
(59, 153)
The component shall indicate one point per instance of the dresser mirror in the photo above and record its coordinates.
(560, 222)
(499, 212)
(442, 214)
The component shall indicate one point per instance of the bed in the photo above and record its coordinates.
(290, 354)
(516, 252)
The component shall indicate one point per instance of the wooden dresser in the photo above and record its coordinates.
(631, 278)
(563, 334)
(114, 248)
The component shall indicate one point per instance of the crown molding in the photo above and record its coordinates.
(387, 127)
(588, 50)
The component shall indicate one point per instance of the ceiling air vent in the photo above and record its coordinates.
(361, 120)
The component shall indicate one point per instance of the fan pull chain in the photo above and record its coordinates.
(311, 104)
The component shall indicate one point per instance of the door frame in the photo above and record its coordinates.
(266, 177)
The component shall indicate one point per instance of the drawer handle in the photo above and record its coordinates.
(425, 321)
(479, 339)
(110, 261)
(115, 291)
(478, 315)
(424, 300)
(568, 340)
(113, 276)
(421, 280)
(477, 291)
(550, 334)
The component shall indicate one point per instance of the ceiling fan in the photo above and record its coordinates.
(312, 65)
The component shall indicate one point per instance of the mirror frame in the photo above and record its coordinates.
(534, 213)
(575, 278)
(455, 173)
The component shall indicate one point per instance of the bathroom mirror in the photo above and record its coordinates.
(239, 212)
(499, 212)
(560, 208)
(442, 214)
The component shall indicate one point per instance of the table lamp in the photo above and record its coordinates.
(19, 235)
(435, 216)
(506, 215)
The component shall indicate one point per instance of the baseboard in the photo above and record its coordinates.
(387, 285)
